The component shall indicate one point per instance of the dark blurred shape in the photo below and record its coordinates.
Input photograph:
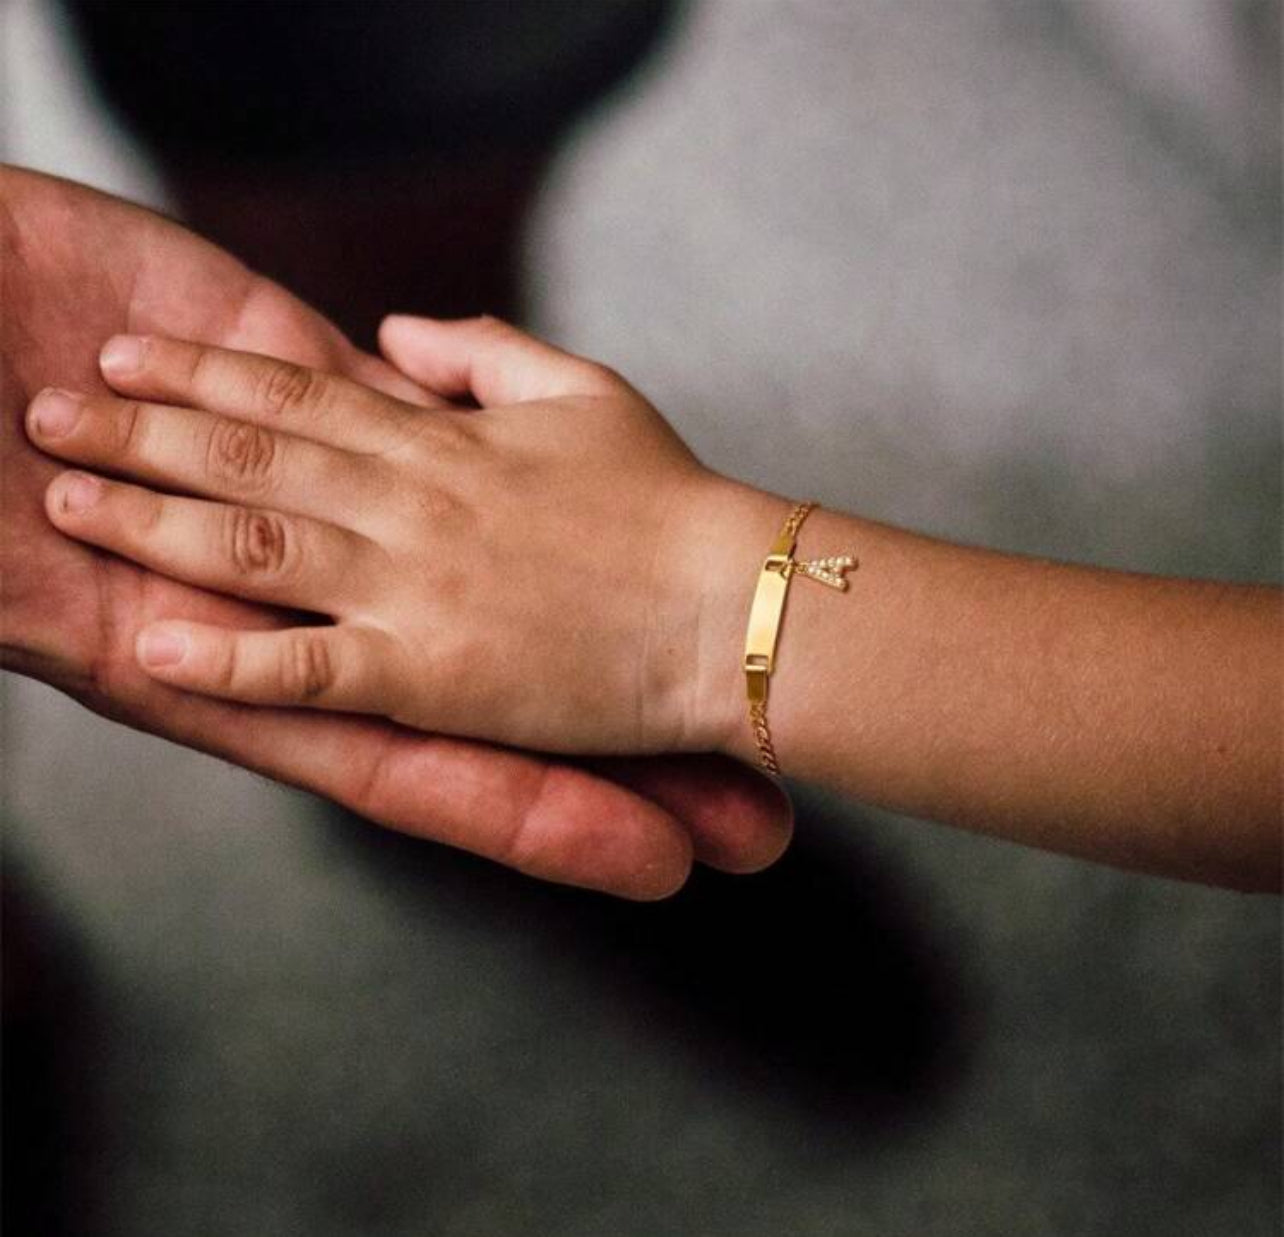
(820, 989)
(49, 1117)
(371, 156)
(322, 81)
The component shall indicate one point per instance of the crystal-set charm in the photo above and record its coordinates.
(828, 571)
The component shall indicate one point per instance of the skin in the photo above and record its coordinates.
(76, 267)
(555, 570)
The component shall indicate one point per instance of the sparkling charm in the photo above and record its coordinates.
(829, 571)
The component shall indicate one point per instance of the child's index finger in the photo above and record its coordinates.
(251, 387)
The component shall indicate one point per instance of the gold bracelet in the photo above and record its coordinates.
(779, 567)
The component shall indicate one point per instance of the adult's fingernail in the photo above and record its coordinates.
(161, 648)
(79, 492)
(121, 355)
(56, 412)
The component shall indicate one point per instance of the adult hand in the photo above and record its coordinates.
(75, 268)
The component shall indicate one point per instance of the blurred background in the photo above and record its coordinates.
(1005, 271)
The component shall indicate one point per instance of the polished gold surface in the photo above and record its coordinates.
(767, 611)
(764, 618)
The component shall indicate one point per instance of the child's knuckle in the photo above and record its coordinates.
(259, 544)
(149, 515)
(497, 328)
(241, 454)
(595, 376)
(129, 424)
(307, 668)
(286, 388)
(204, 369)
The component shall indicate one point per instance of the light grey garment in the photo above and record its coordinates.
(962, 265)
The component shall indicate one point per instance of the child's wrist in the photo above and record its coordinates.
(730, 527)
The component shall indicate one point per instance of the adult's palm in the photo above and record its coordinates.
(77, 266)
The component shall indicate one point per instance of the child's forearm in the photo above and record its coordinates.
(1124, 718)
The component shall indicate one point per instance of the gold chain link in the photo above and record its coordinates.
(762, 737)
(796, 518)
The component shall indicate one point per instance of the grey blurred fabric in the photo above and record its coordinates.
(1003, 271)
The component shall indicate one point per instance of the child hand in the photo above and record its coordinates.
(524, 572)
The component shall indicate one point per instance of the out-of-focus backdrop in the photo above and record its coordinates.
(1001, 270)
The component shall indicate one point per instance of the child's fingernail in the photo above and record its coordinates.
(122, 354)
(161, 648)
(79, 492)
(55, 412)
